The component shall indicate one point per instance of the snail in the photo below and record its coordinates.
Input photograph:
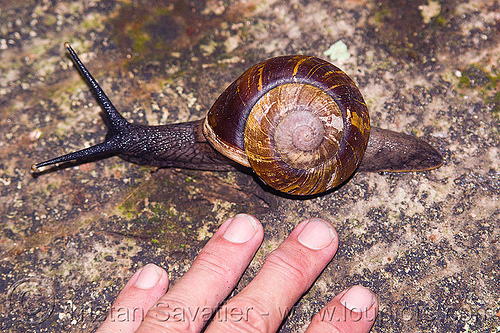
(298, 121)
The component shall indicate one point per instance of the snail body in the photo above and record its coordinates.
(298, 121)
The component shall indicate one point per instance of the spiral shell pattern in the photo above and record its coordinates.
(291, 137)
(298, 121)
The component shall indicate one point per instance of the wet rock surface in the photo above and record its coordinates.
(426, 243)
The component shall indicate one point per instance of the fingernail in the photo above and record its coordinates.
(148, 276)
(358, 299)
(241, 229)
(316, 235)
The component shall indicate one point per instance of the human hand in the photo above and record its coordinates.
(144, 305)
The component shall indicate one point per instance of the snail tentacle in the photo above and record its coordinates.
(116, 119)
(175, 145)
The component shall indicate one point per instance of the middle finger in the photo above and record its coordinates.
(190, 303)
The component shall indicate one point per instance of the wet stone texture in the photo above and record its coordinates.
(426, 243)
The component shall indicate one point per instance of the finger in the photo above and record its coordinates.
(191, 302)
(353, 310)
(140, 293)
(286, 274)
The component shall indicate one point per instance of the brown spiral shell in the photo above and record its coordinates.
(298, 121)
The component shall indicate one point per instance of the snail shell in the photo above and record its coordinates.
(298, 121)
